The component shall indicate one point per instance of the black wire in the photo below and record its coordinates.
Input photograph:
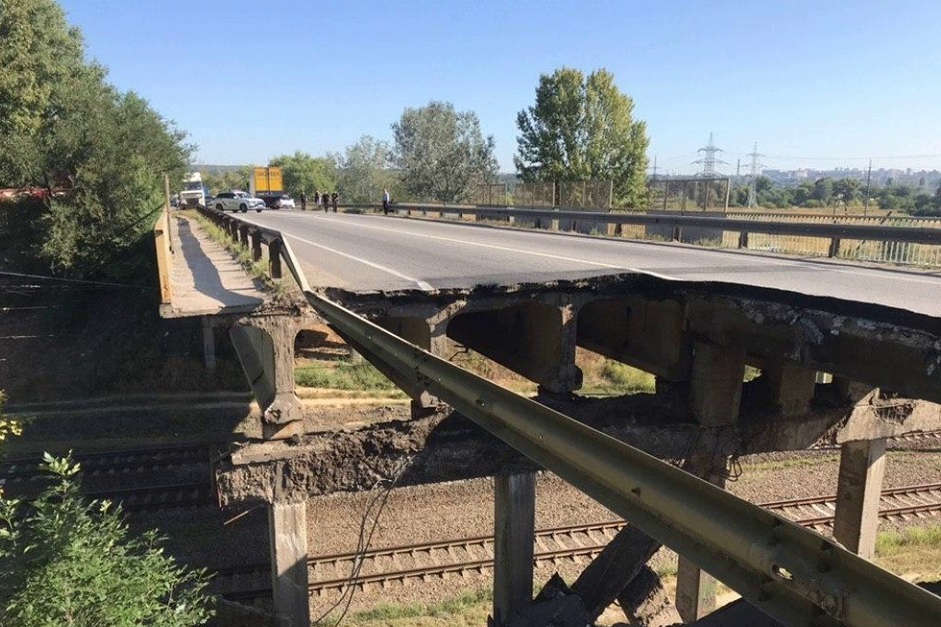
(364, 540)
(75, 281)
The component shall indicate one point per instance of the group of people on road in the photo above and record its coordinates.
(324, 200)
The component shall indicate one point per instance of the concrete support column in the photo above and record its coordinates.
(265, 347)
(514, 528)
(429, 334)
(287, 529)
(862, 465)
(536, 340)
(715, 398)
(791, 387)
(209, 344)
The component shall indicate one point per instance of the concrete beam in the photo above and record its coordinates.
(647, 334)
(790, 387)
(862, 466)
(514, 530)
(716, 383)
(265, 348)
(902, 359)
(287, 529)
(534, 339)
(882, 415)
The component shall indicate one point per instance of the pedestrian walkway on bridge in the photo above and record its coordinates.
(205, 278)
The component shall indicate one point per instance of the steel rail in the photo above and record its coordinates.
(916, 235)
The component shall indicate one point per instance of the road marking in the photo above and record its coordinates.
(865, 272)
(517, 250)
(426, 287)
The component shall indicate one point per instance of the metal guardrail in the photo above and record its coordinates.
(792, 574)
(904, 240)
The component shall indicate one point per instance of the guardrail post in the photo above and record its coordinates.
(743, 239)
(834, 247)
(255, 235)
(677, 233)
(243, 235)
(274, 258)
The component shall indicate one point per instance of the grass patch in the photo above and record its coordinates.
(911, 552)
(607, 377)
(344, 375)
(469, 608)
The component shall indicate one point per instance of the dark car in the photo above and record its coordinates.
(277, 200)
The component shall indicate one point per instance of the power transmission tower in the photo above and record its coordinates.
(709, 160)
(753, 185)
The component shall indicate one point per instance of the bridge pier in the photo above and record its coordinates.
(265, 348)
(862, 466)
(514, 529)
(427, 333)
(287, 530)
(534, 339)
(715, 394)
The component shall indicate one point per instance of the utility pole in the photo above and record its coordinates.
(753, 187)
(868, 180)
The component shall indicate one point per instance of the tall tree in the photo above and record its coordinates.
(583, 128)
(442, 153)
(305, 174)
(65, 128)
(365, 170)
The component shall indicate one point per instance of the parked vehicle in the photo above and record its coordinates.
(237, 201)
(277, 200)
(193, 194)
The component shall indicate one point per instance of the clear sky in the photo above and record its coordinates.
(820, 83)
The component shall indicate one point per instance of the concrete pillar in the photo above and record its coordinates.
(862, 465)
(536, 340)
(715, 398)
(716, 383)
(265, 347)
(514, 528)
(287, 529)
(791, 387)
(209, 344)
(429, 334)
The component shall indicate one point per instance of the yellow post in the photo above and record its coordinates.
(162, 242)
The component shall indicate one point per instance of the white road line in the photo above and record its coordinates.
(865, 272)
(421, 284)
(517, 250)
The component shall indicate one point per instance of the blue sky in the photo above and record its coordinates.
(817, 84)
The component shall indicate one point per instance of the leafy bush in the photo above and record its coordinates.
(68, 562)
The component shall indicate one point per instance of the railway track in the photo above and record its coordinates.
(389, 565)
(21, 478)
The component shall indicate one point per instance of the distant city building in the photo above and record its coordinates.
(883, 176)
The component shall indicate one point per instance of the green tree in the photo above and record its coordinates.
(583, 128)
(67, 562)
(823, 190)
(442, 153)
(848, 189)
(227, 179)
(365, 170)
(64, 127)
(305, 174)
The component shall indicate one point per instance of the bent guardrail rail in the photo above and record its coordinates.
(792, 574)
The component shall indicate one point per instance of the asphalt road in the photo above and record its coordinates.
(370, 253)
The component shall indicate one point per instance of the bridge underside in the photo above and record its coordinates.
(883, 367)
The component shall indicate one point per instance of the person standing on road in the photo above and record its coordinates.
(325, 199)
(334, 197)
(317, 198)
(385, 202)
(303, 201)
